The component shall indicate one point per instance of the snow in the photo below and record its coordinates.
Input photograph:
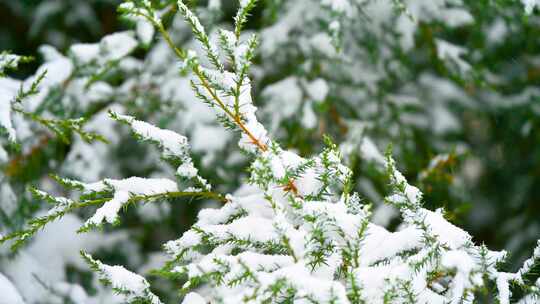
(58, 68)
(321, 289)
(229, 37)
(462, 262)
(75, 293)
(530, 5)
(9, 293)
(276, 35)
(449, 51)
(214, 4)
(191, 17)
(283, 161)
(80, 162)
(50, 53)
(308, 183)
(8, 91)
(334, 26)
(384, 256)
(3, 155)
(244, 3)
(117, 45)
(193, 298)
(309, 119)
(211, 216)
(109, 210)
(283, 100)
(370, 152)
(124, 279)
(261, 229)
(145, 31)
(187, 170)
(451, 235)
(85, 52)
(503, 287)
(317, 89)
(457, 16)
(173, 143)
(5, 114)
(322, 43)
(8, 60)
(142, 186)
(48, 255)
(529, 263)
(337, 213)
(208, 138)
(258, 131)
(78, 92)
(413, 194)
(260, 262)
(374, 279)
(381, 244)
(443, 121)
(240, 56)
(133, 285)
(338, 6)
(124, 190)
(497, 31)
(189, 239)
(384, 214)
(253, 133)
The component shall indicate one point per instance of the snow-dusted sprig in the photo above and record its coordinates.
(122, 192)
(7, 107)
(111, 195)
(332, 172)
(33, 89)
(139, 8)
(10, 61)
(64, 128)
(311, 179)
(406, 197)
(227, 42)
(527, 277)
(253, 134)
(243, 57)
(532, 294)
(329, 237)
(202, 37)
(106, 55)
(61, 206)
(133, 287)
(447, 247)
(529, 264)
(242, 16)
(6, 124)
(175, 148)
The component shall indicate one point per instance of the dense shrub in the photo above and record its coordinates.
(311, 220)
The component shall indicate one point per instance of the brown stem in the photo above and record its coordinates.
(290, 186)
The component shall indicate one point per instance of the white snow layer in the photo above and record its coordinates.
(8, 292)
(124, 190)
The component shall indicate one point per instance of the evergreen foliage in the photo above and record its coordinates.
(312, 219)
